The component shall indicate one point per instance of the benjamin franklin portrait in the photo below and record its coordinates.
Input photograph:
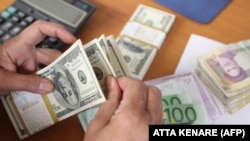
(66, 91)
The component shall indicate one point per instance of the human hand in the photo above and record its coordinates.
(130, 108)
(19, 58)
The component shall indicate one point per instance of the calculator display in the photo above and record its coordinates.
(60, 10)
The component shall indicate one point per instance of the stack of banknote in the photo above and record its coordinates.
(142, 36)
(78, 76)
(226, 72)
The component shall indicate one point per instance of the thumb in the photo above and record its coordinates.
(108, 108)
(24, 82)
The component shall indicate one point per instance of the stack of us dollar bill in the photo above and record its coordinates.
(226, 72)
(78, 76)
(142, 36)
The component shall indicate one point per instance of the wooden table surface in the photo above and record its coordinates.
(110, 16)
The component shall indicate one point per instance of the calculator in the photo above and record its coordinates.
(72, 14)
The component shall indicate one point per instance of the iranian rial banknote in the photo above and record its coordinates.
(226, 72)
(228, 67)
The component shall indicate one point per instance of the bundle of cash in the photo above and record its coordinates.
(226, 72)
(185, 101)
(142, 36)
(78, 76)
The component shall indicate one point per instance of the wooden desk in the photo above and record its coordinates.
(231, 25)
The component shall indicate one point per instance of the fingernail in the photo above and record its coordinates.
(45, 87)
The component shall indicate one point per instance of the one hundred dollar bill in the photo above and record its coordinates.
(76, 89)
(117, 60)
(99, 61)
(137, 54)
(103, 43)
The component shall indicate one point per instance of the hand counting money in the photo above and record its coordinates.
(78, 75)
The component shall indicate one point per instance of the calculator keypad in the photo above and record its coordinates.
(13, 21)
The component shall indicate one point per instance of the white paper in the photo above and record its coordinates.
(143, 33)
(196, 46)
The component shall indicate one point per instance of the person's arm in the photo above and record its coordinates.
(19, 57)
(130, 107)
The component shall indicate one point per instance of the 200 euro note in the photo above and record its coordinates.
(76, 89)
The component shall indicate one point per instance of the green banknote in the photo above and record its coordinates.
(175, 99)
(177, 110)
(184, 114)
